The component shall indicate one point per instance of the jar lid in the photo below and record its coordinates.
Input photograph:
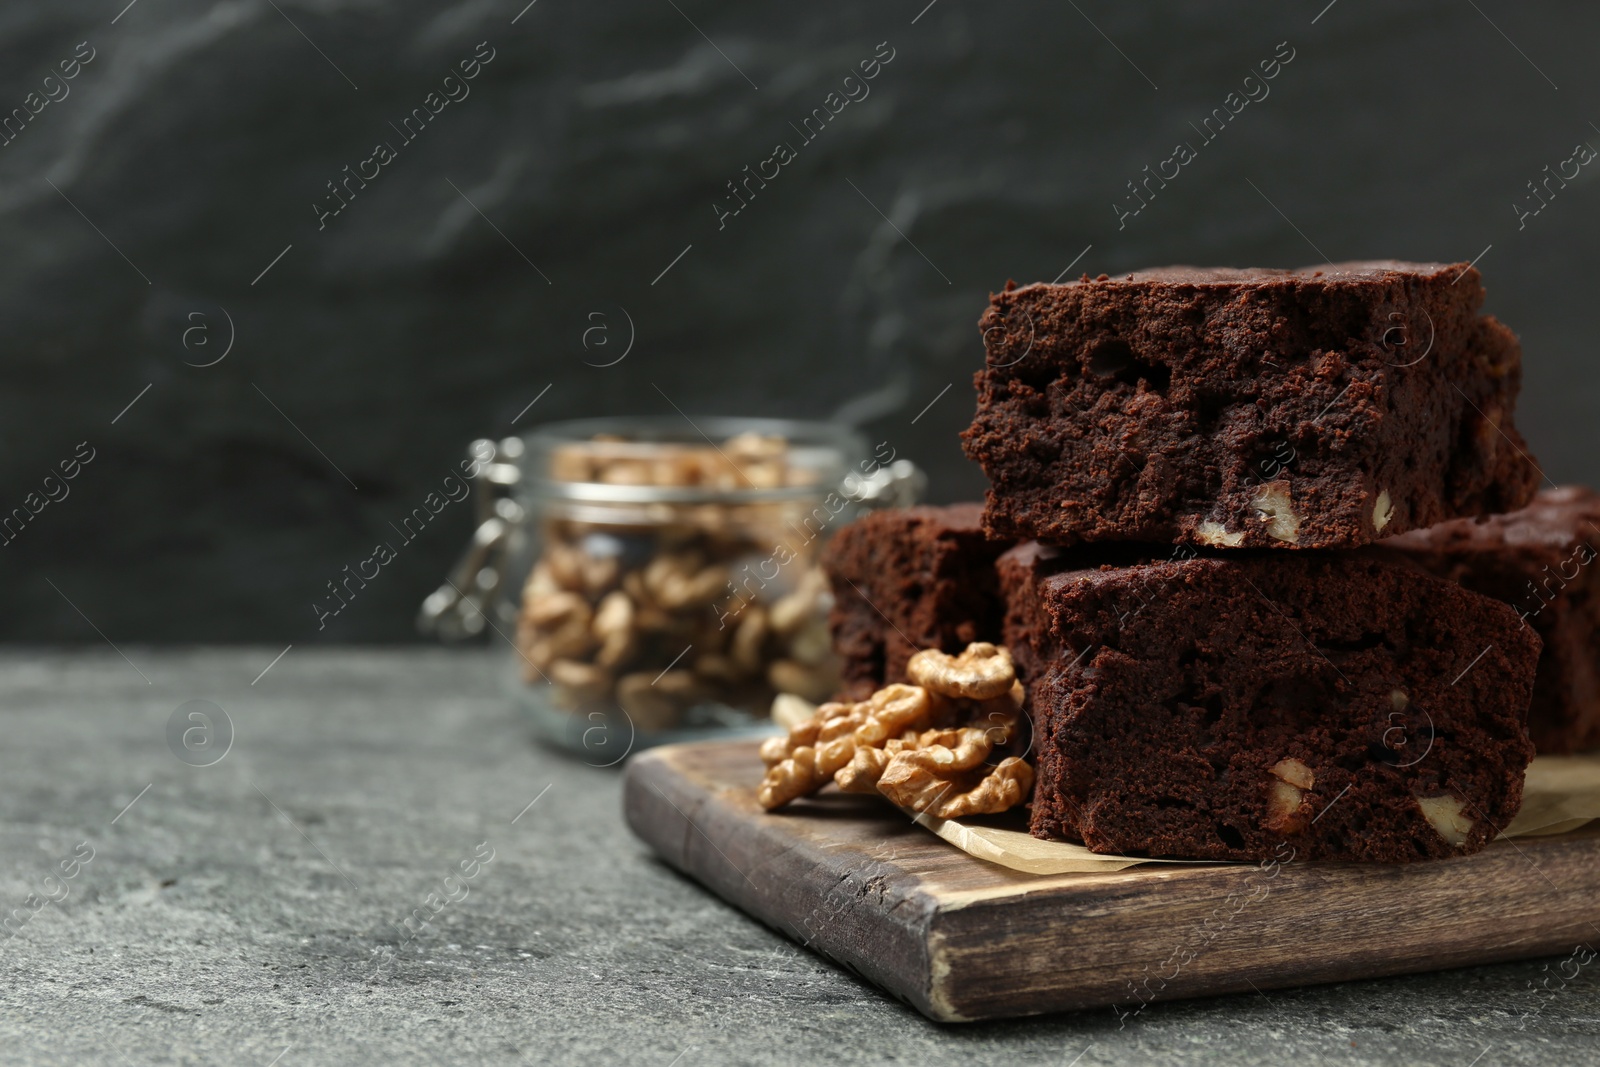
(678, 459)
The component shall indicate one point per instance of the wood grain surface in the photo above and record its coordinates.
(962, 940)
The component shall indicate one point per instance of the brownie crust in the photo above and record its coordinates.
(905, 579)
(1314, 408)
(1236, 706)
(1540, 561)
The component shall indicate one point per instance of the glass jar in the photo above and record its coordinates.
(672, 584)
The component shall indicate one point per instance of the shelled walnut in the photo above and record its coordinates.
(666, 605)
(925, 747)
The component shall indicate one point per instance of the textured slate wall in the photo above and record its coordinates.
(588, 153)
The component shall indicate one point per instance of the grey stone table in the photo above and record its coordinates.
(249, 912)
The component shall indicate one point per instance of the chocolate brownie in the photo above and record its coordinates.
(1240, 705)
(1021, 570)
(1312, 408)
(1538, 561)
(905, 579)
(1025, 627)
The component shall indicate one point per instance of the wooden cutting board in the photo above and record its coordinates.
(961, 939)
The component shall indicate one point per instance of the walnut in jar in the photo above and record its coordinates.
(673, 608)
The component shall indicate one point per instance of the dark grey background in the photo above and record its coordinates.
(596, 142)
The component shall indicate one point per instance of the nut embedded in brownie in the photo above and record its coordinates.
(1218, 707)
(906, 579)
(1316, 408)
(1538, 560)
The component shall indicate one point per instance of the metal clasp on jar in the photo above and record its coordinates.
(471, 594)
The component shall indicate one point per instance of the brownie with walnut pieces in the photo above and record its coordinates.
(905, 579)
(1538, 561)
(1312, 408)
(1223, 706)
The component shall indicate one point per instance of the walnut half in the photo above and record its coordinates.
(817, 749)
(981, 672)
(924, 747)
(945, 776)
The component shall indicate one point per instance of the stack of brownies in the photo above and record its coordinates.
(1189, 474)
